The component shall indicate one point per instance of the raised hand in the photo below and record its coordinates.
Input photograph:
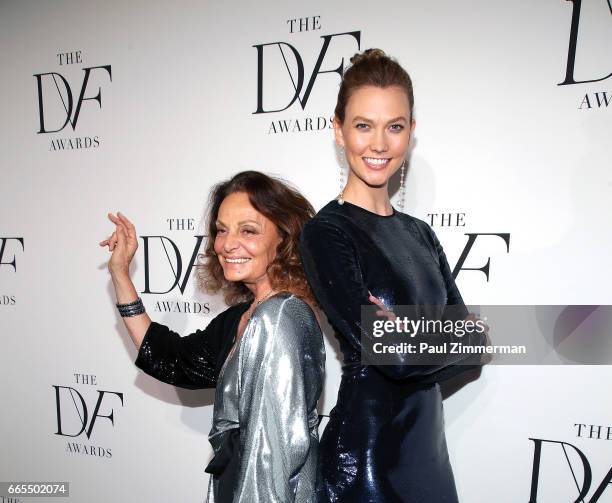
(123, 243)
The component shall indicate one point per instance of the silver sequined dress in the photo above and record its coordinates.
(269, 387)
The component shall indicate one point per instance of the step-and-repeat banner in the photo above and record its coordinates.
(142, 106)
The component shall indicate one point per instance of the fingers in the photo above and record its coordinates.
(111, 241)
(389, 314)
(124, 235)
(121, 235)
(384, 311)
(120, 224)
(122, 221)
(376, 301)
(108, 240)
(129, 226)
(117, 221)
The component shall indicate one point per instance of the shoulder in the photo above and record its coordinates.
(283, 304)
(413, 221)
(331, 214)
(283, 332)
(420, 229)
(286, 314)
(330, 222)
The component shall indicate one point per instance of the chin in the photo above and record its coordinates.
(233, 276)
(376, 179)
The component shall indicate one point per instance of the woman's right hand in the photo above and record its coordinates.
(384, 310)
(122, 243)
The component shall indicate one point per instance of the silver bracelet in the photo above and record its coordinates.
(133, 308)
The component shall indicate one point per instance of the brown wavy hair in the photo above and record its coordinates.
(287, 209)
(372, 67)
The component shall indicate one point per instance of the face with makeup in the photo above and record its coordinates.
(246, 241)
(375, 133)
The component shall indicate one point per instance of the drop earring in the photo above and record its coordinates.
(340, 198)
(402, 188)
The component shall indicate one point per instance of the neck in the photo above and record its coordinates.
(374, 199)
(259, 289)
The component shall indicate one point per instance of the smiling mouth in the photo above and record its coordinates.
(237, 260)
(376, 162)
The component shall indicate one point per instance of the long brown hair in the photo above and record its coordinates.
(287, 209)
(372, 67)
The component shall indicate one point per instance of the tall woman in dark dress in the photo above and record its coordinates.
(385, 438)
(264, 354)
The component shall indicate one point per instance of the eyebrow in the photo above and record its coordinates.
(242, 222)
(365, 119)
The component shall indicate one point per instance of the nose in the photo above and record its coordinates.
(379, 141)
(231, 242)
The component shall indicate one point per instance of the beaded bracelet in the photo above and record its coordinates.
(133, 308)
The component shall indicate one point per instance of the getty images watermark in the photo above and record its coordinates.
(436, 337)
(474, 335)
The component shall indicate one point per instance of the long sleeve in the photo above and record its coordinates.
(332, 266)
(452, 292)
(281, 367)
(193, 361)
(466, 362)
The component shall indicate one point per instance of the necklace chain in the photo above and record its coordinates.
(255, 304)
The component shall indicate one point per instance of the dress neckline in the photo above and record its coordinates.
(364, 210)
(245, 308)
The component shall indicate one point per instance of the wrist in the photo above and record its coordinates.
(119, 273)
(129, 309)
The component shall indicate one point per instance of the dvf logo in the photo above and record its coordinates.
(175, 275)
(54, 82)
(78, 418)
(289, 54)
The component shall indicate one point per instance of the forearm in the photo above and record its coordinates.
(126, 292)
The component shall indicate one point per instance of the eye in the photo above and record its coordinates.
(248, 231)
(396, 127)
(220, 231)
(362, 125)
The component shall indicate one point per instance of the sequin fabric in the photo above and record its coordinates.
(385, 441)
(268, 388)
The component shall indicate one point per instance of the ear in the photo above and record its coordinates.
(412, 126)
(338, 132)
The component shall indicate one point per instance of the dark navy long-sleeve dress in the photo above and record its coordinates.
(385, 439)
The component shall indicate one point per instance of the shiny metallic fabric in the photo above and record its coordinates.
(268, 388)
(385, 441)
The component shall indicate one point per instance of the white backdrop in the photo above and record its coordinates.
(497, 140)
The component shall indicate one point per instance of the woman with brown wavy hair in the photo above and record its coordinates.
(264, 354)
